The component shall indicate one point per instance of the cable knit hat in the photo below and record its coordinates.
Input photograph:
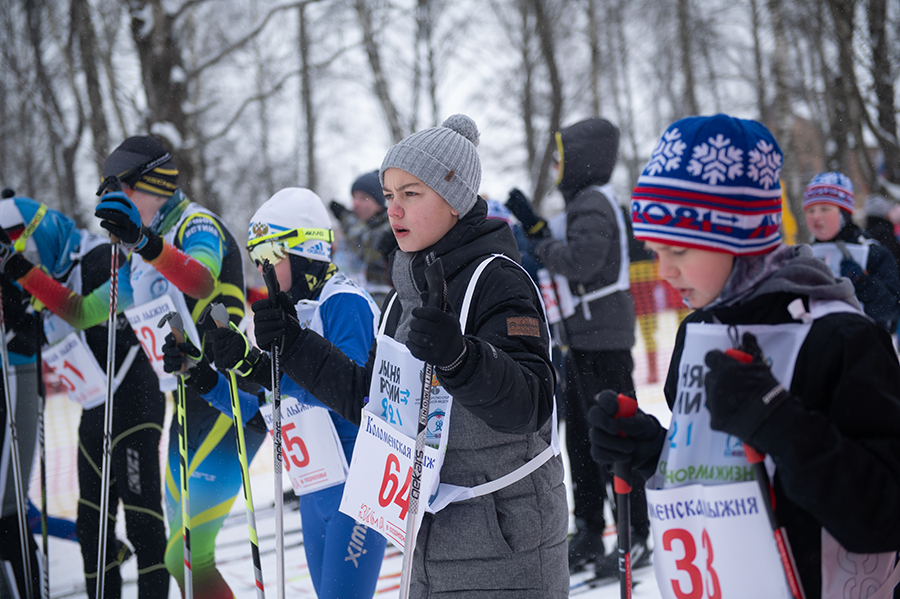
(711, 183)
(830, 188)
(444, 158)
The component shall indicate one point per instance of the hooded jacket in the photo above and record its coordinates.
(590, 256)
(512, 540)
(836, 447)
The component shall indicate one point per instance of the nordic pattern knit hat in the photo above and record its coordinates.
(830, 188)
(369, 184)
(711, 183)
(143, 163)
(444, 158)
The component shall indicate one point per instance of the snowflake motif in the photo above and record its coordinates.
(716, 163)
(667, 154)
(765, 164)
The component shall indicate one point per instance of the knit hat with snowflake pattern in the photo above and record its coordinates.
(712, 183)
(830, 188)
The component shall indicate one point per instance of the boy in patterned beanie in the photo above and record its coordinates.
(778, 358)
(849, 251)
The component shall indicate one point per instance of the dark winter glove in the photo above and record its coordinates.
(12, 263)
(741, 392)
(121, 218)
(636, 441)
(177, 356)
(338, 209)
(435, 338)
(519, 205)
(231, 350)
(275, 319)
(852, 271)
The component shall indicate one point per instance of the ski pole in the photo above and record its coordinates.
(177, 326)
(765, 487)
(268, 272)
(622, 486)
(437, 297)
(42, 399)
(108, 414)
(18, 475)
(220, 315)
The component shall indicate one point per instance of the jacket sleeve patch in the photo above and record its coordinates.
(523, 326)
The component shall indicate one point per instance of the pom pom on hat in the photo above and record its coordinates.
(712, 183)
(444, 158)
(830, 188)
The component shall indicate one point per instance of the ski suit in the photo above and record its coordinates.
(345, 315)
(200, 263)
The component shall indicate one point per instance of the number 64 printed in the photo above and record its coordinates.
(390, 486)
(681, 542)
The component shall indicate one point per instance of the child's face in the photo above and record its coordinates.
(419, 216)
(823, 220)
(698, 275)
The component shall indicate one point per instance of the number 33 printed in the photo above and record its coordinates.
(686, 564)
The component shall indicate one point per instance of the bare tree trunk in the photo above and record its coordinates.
(64, 143)
(87, 45)
(633, 162)
(546, 34)
(783, 119)
(594, 44)
(167, 94)
(689, 96)
(307, 102)
(380, 86)
(756, 26)
(527, 92)
(882, 76)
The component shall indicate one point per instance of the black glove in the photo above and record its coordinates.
(176, 356)
(338, 209)
(12, 263)
(741, 392)
(121, 218)
(636, 441)
(435, 338)
(275, 319)
(519, 205)
(852, 271)
(231, 350)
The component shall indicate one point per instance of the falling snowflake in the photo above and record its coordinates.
(765, 164)
(716, 161)
(667, 154)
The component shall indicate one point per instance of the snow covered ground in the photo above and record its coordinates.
(233, 551)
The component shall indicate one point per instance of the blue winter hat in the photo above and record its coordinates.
(830, 188)
(369, 184)
(46, 236)
(712, 183)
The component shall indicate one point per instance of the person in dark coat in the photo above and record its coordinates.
(508, 541)
(778, 358)
(588, 245)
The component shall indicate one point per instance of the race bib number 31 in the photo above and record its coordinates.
(715, 543)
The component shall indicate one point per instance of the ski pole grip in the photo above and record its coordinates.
(177, 327)
(268, 273)
(437, 287)
(622, 472)
(740, 356)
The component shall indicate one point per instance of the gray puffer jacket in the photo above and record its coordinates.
(591, 254)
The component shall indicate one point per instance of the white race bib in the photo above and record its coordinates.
(313, 456)
(77, 369)
(144, 320)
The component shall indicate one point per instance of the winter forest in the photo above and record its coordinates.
(257, 95)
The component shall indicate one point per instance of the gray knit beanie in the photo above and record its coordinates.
(444, 158)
